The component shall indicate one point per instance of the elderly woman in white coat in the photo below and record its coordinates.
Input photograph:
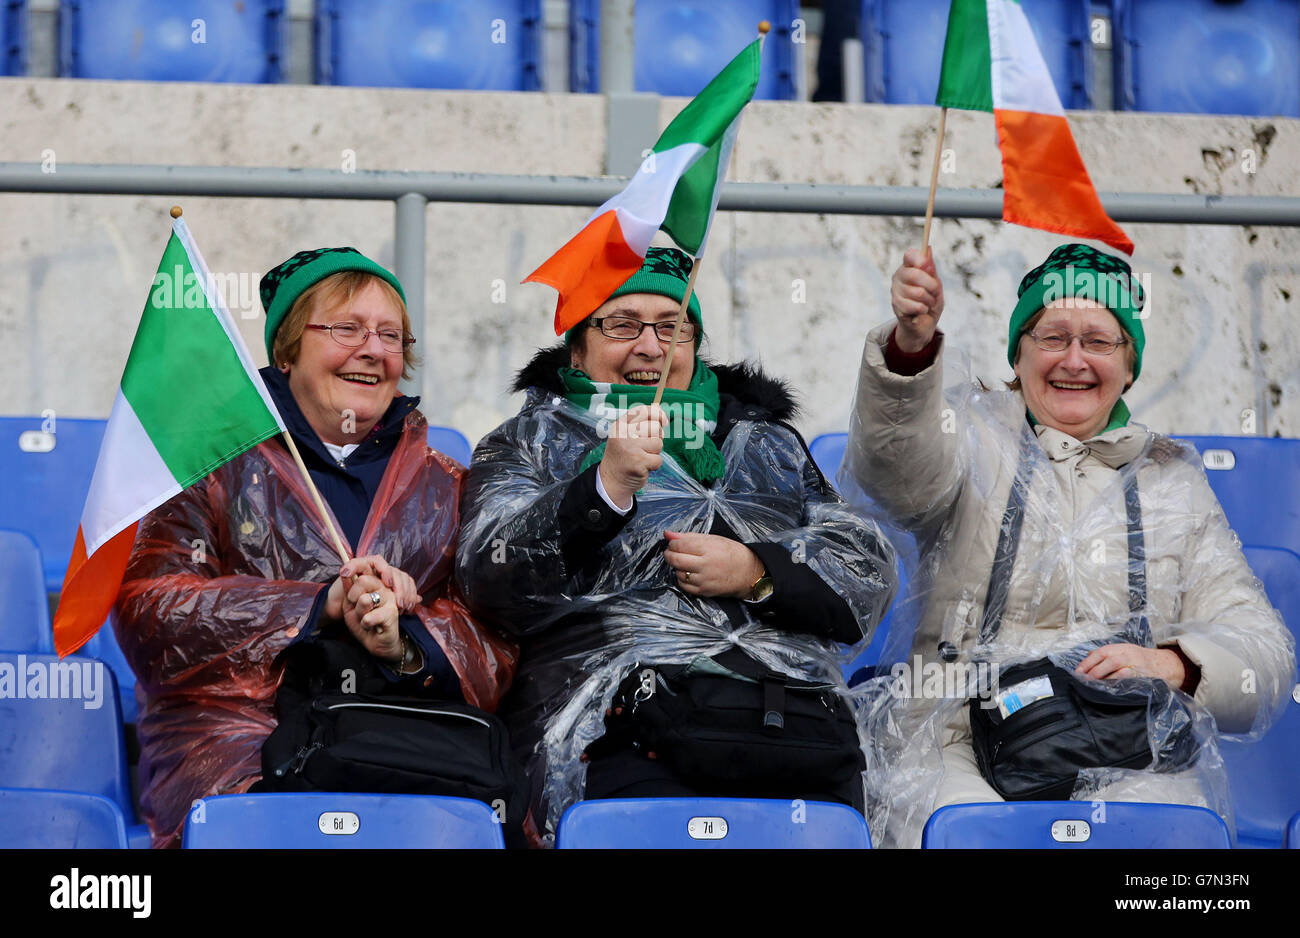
(1116, 527)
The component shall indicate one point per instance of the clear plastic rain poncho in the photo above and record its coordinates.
(936, 462)
(588, 620)
(224, 576)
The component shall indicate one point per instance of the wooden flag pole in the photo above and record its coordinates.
(315, 496)
(934, 180)
(176, 212)
(677, 329)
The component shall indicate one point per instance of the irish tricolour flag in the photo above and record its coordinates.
(992, 63)
(676, 188)
(190, 401)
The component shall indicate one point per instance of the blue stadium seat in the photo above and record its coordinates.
(339, 822)
(1293, 833)
(61, 740)
(450, 442)
(1208, 56)
(25, 625)
(1074, 825)
(46, 479)
(903, 48)
(160, 40)
(477, 45)
(828, 452)
(682, 44)
(1241, 469)
(1264, 777)
(32, 819)
(103, 645)
(13, 37)
(711, 823)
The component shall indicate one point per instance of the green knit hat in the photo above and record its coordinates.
(1082, 272)
(664, 272)
(284, 284)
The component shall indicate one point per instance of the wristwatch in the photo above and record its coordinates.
(761, 589)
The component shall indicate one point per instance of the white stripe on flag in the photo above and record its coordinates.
(641, 207)
(1021, 81)
(130, 478)
(218, 305)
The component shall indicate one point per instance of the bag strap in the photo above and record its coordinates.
(1004, 555)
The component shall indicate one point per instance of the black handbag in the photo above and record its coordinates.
(1069, 723)
(726, 731)
(365, 741)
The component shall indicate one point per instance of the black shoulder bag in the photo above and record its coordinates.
(728, 725)
(1071, 723)
(339, 731)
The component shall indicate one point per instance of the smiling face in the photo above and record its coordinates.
(344, 391)
(638, 361)
(1072, 391)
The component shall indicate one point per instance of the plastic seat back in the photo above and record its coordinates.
(59, 820)
(450, 442)
(61, 727)
(13, 38)
(903, 48)
(1208, 56)
(161, 40)
(1264, 776)
(1293, 833)
(682, 44)
(25, 625)
(339, 822)
(104, 647)
(1074, 825)
(47, 475)
(476, 45)
(711, 823)
(1257, 481)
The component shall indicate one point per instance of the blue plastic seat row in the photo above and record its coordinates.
(1246, 53)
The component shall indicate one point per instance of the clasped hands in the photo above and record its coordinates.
(352, 596)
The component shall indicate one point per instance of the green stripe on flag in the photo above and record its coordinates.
(966, 78)
(186, 382)
(691, 208)
(711, 111)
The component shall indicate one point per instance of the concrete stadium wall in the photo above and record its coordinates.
(796, 292)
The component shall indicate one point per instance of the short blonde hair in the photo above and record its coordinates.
(1130, 352)
(331, 292)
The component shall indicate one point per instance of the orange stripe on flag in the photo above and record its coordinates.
(89, 589)
(1046, 184)
(595, 263)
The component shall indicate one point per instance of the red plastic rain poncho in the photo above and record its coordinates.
(223, 577)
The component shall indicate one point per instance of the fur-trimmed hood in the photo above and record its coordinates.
(749, 387)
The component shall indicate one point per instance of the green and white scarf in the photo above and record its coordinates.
(692, 416)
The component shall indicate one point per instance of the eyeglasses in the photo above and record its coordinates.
(1092, 343)
(625, 330)
(354, 335)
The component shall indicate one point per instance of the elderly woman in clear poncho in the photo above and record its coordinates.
(1119, 563)
(606, 533)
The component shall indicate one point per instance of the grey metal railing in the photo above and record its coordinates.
(411, 192)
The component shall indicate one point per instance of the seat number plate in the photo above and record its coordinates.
(339, 822)
(1070, 832)
(707, 828)
(1219, 459)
